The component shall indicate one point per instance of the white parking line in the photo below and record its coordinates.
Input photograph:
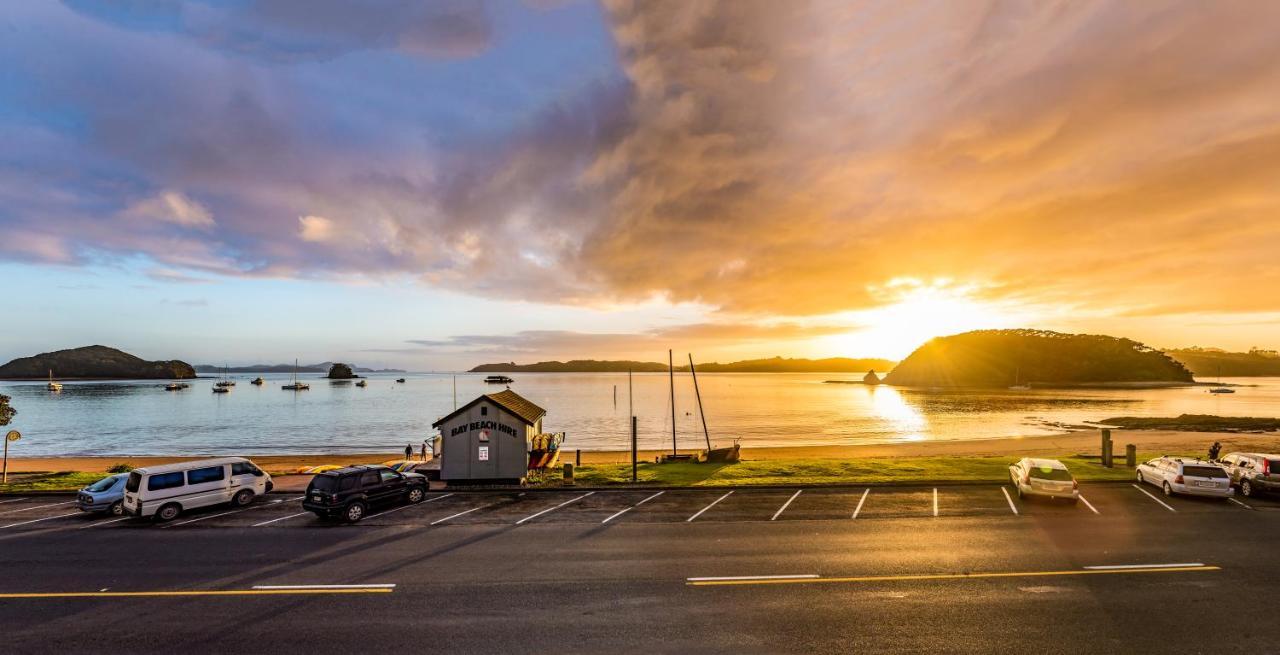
(392, 511)
(1090, 506)
(454, 516)
(98, 523)
(28, 509)
(935, 501)
(1012, 507)
(389, 585)
(713, 504)
(1152, 497)
(11, 500)
(552, 509)
(624, 511)
(1244, 505)
(862, 500)
(282, 518)
(47, 518)
(784, 505)
(1116, 567)
(234, 511)
(801, 576)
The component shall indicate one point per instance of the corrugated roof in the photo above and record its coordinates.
(517, 405)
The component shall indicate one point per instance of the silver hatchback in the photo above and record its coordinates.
(1190, 476)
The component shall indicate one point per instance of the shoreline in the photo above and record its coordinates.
(1083, 442)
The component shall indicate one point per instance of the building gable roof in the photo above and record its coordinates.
(514, 403)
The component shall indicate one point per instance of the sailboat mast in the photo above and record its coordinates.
(671, 372)
(696, 392)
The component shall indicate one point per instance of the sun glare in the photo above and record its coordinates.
(919, 314)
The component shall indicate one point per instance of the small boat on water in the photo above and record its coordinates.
(218, 389)
(498, 379)
(1017, 382)
(257, 381)
(1222, 390)
(400, 380)
(295, 385)
(174, 386)
(362, 383)
(224, 381)
(53, 386)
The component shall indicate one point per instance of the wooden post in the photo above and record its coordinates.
(577, 457)
(633, 449)
(6, 460)
(1131, 455)
(1106, 448)
(568, 474)
(671, 372)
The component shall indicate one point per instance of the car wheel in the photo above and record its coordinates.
(1140, 478)
(354, 512)
(1168, 491)
(168, 512)
(242, 498)
(116, 509)
(417, 495)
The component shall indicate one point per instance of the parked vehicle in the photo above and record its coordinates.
(105, 495)
(166, 491)
(1044, 477)
(349, 493)
(1253, 473)
(1190, 476)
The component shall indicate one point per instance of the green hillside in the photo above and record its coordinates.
(1211, 362)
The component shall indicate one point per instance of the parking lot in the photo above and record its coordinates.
(689, 505)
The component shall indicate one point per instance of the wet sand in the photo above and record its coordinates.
(1147, 441)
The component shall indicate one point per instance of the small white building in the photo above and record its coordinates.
(489, 438)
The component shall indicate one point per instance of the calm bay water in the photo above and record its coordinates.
(141, 418)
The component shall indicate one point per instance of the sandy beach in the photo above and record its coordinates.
(1147, 441)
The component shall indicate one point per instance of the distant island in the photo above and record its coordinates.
(1002, 358)
(1212, 362)
(771, 365)
(322, 367)
(1195, 423)
(94, 363)
(340, 371)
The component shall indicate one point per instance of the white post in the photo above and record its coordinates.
(6, 460)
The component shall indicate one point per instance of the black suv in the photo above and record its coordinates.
(348, 493)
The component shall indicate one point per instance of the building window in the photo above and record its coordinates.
(484, 411)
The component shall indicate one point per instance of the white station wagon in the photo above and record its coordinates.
(1190, 476)
(1043, 477)
(168, 490)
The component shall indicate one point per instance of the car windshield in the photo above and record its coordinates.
(103, 484)
(1047, 473)
(1204, 472)
(324, 483)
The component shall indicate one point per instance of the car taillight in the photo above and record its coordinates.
(1026, 477)
(1074, 484)
(1266, 467)
(1178, 480)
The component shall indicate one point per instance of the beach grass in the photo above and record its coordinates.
(59, 481)
(878, 470)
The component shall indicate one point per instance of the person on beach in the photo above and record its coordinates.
(1214, 450)
(424, 451)
(408, 451)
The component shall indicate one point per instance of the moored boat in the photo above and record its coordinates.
(295, 385)
(498, 379)
(400, 380)
(362, 383)
(219, 389)
(53, 386)
(257, 381)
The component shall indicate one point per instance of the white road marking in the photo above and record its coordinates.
(862, 500)
(392, 511)
(1244, 505)
(1152, 497)
(1090, 506)
(935, 501)
(552, 509)
(11, 500)
(1115, 567)
(713, 504)
(1012, 507)
(801, 576)
(47, 518)
(454, 516)
(785, 505)
(624, 511)
(94, 525)
(282, 518)
(28, 509)
(234, 511)
(389, 585)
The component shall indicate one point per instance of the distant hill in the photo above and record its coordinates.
(94, 363)
(1211, 362)
(996, 358)
(322, 367)
(773, 365)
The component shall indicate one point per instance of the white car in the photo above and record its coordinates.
(1044, 477)
(1190, 476)
(168, 490)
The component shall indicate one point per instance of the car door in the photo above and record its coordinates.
(1145, 469)
(393, 484)
(371, 485)
(244, 475)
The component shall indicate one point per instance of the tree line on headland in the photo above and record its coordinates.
(771, 365)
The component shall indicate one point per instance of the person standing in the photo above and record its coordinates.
(424, 451)
(1214, 450)
(408, 450)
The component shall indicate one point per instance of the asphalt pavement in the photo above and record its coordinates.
(965, 568)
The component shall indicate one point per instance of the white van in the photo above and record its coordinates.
(165, 491)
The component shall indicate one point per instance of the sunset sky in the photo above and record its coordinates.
(437, 185)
